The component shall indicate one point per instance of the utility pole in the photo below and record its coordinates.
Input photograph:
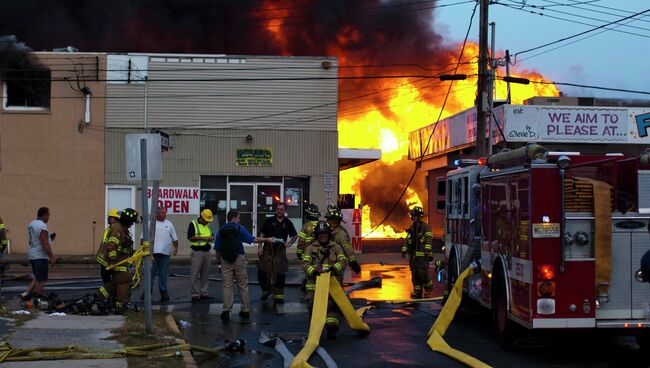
(491, 83)
(482, 90)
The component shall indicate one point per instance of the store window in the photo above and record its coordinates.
(27, 90)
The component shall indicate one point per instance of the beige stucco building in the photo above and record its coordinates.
(245, 133)
(52, 149)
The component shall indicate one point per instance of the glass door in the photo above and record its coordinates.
(241, 198)
(268, 196)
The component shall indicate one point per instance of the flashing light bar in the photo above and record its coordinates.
(465, 162)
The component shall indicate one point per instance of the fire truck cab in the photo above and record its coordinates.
(559, 238)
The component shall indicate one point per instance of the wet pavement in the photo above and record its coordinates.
(398, 331)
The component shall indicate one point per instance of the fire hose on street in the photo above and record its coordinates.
(439, 328)
(326, 286)
(8, 353)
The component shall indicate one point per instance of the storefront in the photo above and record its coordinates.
(241, 137)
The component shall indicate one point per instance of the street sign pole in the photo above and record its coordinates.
(145, 236)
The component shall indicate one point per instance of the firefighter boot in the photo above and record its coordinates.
(417, 292)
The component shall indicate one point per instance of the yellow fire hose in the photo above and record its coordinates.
(12, 354)
(439, 328)
(143, 251)
(326, 285)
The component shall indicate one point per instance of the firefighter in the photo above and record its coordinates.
(418, 246)
(341, 236)
(3, 244)
(321, 256)
(117, 247)
(305, 237)
(113, 216)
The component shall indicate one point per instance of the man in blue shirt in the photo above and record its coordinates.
(229, 247)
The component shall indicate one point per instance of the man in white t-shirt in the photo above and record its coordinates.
(40, 251)
(164, 240)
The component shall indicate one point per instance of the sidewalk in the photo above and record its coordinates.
(56, 331)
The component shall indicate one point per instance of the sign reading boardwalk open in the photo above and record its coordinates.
(254, 157)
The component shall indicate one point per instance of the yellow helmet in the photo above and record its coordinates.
(206, 214)
(113, 212)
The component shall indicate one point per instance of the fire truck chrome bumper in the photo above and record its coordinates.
(632, 323)
(564, 323)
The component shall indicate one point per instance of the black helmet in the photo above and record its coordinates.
(334, 214)
(322, 227)
(128, 216)
(312, 211)
(417, 211)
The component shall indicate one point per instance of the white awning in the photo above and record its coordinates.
(352, 157)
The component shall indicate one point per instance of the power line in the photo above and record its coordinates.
(581, 16)
(592, 87)
(442, 108)
(578, 22)
(574, 6)
(580, 33)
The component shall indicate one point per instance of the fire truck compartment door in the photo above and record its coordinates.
(627, 296)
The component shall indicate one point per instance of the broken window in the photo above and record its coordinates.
(27, 90)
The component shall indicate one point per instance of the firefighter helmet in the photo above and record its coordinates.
(312, 211)
(417, 211)
(113, 212)
(322, 227)
(129, 216)
(334, 214)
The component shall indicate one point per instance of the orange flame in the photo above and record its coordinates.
(411, 106)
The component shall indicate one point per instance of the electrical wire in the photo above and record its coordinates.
(442, 108)
(578, 22)
(580, 33)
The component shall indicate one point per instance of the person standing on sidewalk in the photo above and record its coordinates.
(230, 255)
(418, 246)
(40, 251)
(200, 235)
(273, 262)
(164, 240)
(117, 247)
(113, 216)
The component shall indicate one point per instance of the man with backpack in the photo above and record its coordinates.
(230, 255)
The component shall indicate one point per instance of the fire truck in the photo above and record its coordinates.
(559, 237)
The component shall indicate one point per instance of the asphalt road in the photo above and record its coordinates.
(398, 331)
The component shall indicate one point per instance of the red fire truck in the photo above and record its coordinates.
(559, 238)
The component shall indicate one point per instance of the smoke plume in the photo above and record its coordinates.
(369, 37)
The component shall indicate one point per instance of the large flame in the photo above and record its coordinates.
(411, 105)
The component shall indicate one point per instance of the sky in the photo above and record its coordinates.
(610, 59)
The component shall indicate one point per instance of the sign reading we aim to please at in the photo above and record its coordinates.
(254, 157)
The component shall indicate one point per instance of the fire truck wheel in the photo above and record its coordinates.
(504, 327)
(452, 274)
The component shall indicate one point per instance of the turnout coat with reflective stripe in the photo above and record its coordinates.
(116, 246)
(419, 240)
(316, 255)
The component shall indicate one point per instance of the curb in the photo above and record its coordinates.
(188, 358)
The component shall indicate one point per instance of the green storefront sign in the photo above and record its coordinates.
(254, 157)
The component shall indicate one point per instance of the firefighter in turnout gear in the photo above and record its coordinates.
(324, 255)
(118, 246)
(305, 236)
(419, 240)
(341, 236)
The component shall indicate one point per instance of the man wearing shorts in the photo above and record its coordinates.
(40, 251)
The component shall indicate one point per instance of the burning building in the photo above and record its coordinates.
(389, 54)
